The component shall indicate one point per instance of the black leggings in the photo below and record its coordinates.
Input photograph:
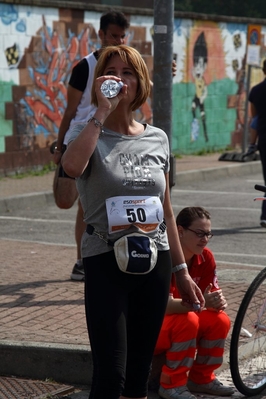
(124, 314)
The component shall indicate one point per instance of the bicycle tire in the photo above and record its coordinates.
(248, 341)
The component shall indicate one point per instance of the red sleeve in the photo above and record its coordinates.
(202, 271)
(206, 271)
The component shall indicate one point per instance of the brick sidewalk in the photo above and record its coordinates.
(39, 302)
(41, 305)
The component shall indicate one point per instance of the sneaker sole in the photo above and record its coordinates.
(180, 396)
(77, 277)
(210, 392)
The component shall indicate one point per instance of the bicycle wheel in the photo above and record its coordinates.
(248, 340)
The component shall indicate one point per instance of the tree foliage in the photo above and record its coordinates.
(234, 8)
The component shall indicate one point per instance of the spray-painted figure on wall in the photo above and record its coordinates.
(200, 58)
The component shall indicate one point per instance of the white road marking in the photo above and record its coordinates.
(215, 192)
(218, 262)
(241, 255)
(39, 242)
(221, 208)
(23, 219)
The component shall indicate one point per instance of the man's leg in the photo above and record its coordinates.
(80, 227)
(65, 195)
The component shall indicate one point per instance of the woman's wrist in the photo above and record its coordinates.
(177, 268)
(96, 122)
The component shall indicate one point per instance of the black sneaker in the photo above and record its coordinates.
(77, 273)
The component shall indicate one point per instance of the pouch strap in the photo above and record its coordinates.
(91, 230)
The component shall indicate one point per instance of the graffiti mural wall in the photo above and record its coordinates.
(40, 46)
(209, 89)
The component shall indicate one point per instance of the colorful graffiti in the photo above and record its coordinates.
(210, 56)
(200, 60)
(40, 110)
(49, 59)
(39, 50)
(46, 99)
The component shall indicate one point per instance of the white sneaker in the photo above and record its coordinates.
(175, 393)
(263, 223)
(214, 387)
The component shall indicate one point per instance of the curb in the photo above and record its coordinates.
(67, 364)
(71, 364)
(32, 200)
(209, 174)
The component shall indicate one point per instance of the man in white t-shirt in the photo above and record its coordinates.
(113, 27)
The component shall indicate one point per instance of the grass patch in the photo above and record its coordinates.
(37, 171)
(204, 151)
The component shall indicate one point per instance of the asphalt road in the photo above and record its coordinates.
(238, 238)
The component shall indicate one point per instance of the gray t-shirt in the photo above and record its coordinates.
(121, 165)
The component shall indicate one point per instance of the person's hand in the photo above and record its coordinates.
(190, 293)
(252, 148)
(57, 155)
(108, 104)
(214, 299)
(174, 68)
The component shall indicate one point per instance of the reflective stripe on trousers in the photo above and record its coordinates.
(177, 339)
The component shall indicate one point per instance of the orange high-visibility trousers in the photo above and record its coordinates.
(183, 336)
(177, 339)
(213, 330)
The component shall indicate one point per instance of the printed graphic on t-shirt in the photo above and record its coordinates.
(136, 169)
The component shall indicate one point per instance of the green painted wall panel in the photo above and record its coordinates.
(220, 120)
(5, 125)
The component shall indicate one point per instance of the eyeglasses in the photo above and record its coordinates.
(201, 234)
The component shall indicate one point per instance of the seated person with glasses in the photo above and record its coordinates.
(193, 342)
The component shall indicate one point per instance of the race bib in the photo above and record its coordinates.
(146, 213)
